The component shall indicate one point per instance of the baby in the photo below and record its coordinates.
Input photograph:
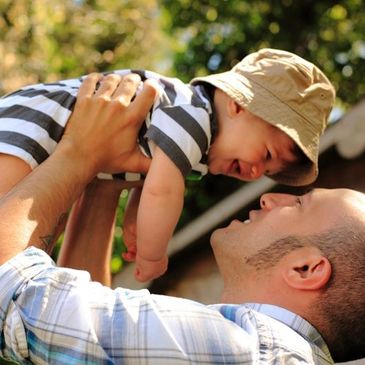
(264, 116)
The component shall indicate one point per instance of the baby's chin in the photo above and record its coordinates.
(214, 171)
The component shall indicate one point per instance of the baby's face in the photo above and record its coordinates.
(246, 147)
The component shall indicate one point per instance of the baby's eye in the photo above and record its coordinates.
(268, 155)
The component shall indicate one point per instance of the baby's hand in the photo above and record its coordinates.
(130, 255)
(150, 269)
(130, 240)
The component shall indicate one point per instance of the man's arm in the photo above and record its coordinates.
(97, 139)
(89, 234)
(88, 239)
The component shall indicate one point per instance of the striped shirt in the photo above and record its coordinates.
(181, 123)
(51, 315)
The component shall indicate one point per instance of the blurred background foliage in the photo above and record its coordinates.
(46, 40)
(213, 35)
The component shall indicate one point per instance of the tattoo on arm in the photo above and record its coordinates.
(49, 240)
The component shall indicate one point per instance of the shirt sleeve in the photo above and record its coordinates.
(32, 121)
(57, 315)
(183, 133)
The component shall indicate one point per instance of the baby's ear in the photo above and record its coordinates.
(233, 108)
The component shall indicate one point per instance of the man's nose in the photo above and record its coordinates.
(271, 200)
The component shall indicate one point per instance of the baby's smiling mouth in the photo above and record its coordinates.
(234, 168)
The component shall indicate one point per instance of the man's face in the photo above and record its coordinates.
(281, 215)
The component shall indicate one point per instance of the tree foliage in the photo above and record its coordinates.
(213, 35)
(48, 40)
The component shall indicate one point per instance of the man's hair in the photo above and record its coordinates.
(340, 308)
(342, 303)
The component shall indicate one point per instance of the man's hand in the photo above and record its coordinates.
(101, 135)
(104, 126)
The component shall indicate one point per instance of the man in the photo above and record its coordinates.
(305, 254)
(296, 265)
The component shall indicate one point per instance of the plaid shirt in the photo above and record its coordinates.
(51, 315)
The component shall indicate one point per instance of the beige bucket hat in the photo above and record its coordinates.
(288, 92)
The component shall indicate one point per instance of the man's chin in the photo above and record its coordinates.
(216, 237)
(219, 247)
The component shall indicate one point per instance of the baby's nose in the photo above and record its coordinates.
(257, 171)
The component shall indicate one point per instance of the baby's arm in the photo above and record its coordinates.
(159, 211)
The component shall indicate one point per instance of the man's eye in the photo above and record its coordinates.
(298, 201)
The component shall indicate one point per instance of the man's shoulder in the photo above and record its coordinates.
(278, 331)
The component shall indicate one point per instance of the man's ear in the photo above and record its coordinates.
(306, 269)
(233, 109)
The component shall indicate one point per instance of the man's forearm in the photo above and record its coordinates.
(31, 212)
(89, 236)
(100, 136)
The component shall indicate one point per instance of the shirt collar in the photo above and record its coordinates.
(294, 321)
(207, 92)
